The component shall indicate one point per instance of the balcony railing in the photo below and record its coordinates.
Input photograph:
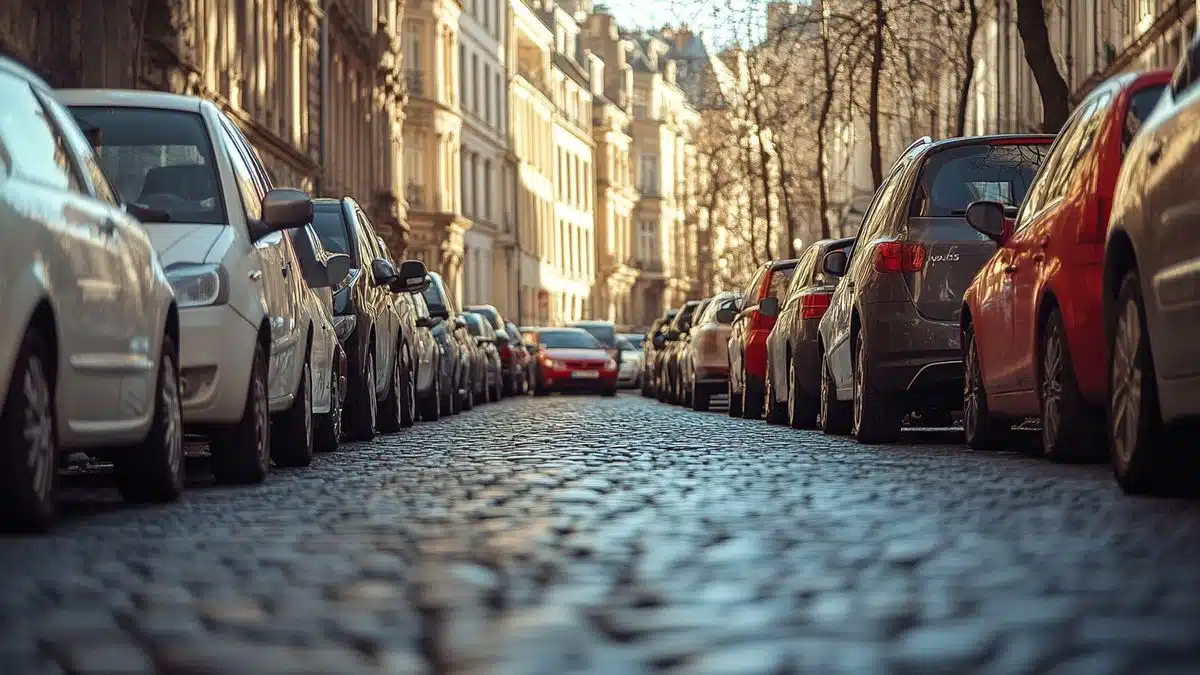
(415, 80)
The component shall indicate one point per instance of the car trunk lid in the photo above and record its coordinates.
(953, 254)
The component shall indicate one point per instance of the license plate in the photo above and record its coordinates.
(585, 374)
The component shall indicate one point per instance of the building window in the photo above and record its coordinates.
(487, 93)
(647, 242)
(462, 81)
(648, 180)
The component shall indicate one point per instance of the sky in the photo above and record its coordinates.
(721, 21)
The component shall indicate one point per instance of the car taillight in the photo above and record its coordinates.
(506, 352)
(813, 305)
(899, 256)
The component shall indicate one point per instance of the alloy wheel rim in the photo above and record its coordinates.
(859, 387)
(308, 425)
(791, 392)
(372, 403)
(824, 395)
(1052, 373)
(173, 409)
(262, 423)
(38, 430)
(1127, 384)
(335, 403)
(971, 397)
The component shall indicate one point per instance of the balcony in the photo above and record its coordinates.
(414, 79)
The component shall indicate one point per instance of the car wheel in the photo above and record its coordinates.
(983, 430)
(450, 399)
(701, 397)
(467, 401)
(835, 417)
(292, 440)
(29, 435)
(152, 471)
(735, 400)
(752, 397)
(329, 425)
(1143, 457)
(876, 417)
(408, 408)
(646, 392)
(431, 405)
(802, 410)
(362, 408)
(1071, 429)
(241, 453)
(777, 413)
(391, 411)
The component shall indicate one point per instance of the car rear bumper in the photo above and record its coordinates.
(911, 353)
(215, 355)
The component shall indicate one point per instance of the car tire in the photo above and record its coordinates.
(450, 399)
(1145, 459)
(29, 465)
(735, 400)
(362, 407)
(467, 400)
(834, 417)
(1072, 431)
(329, 425)
(408, 407)
(292, 438)
(646, 390)
(982, 429)
(609, 391)
(877, 419)
(752, 398)
(391, 408)
(701, 398)
(152, 472)
(431, 406)
(802, 409)
(776, 413)
(241, 452)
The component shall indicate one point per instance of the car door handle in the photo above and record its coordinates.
(255, 275)
(1155, 152)
(1009, 269)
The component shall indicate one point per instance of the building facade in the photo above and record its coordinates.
(489, 256)
(433, 138)
(316, 86)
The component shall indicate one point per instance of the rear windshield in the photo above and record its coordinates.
(780, 279)
(331, 228)
(954, 178)
(1141, 104)
(605, 334)
(162, 159)
(568, 339)
(474, 323)
(634, 340)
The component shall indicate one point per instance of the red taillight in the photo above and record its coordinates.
(506, 353)
(899, 256)
(813, 305)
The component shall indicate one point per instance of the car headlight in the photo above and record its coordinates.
(551, 363)
(343, 325)
(610, 364)
(198, 285)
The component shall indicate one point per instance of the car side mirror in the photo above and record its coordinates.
(428, 321)
(769, 306)
(412, 277)
(672, 335)
(337, 268)
(382, 272)
(659, 341)
(726, 315)
(834, 263)
(988, 219)
(460, 322)
(285, 209)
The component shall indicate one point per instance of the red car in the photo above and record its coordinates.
(748, 337)
(571, 359)
(1033, 319)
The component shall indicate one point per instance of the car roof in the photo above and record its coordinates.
(14, 67)
(562, 329)
(592, 322)
(128, 98)
(783, 264)
(994, 139)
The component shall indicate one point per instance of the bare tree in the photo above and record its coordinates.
(877, 55)
(1031, 24)
(964, 87)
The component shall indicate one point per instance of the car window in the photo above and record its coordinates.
(751, 290)
(34, 145)
(805, 271)
(568, 339)
(248, 189)
(952, 179)
(330, 225)
(162, 159)
(1052, 179)
(261, 176)
(872, 222)
(709, 315)
(780, 278)
(84, 154)
(1141, 104)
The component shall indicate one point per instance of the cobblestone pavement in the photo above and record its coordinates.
(590, 535)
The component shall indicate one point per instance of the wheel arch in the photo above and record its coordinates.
(43, 317)
(1120, 257)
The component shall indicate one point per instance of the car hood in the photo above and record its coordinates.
(189, 243)
(577, 354)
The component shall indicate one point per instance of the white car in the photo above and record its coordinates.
(88, 344)
(248, 330)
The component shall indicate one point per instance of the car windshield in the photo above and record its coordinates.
(491, 316)
(625, 345)
(1141, 104)
(474, 323)
(602, 332)
(954, 178)
(635, 341)
(780, 279)
(162, 159)
(331, 228)
(568, 339)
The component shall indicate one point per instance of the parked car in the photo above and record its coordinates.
(522, 358)
(488, 366)
(1033, 320)
(1151, 281)
(572, 359)
(246, 328)
(890, 338)
(654, 341)
(427, 390)
(635, 339)
(89, 351)
(457, 347)
(793, 392)
(671, 388)
(704, 362)
(748, 337)
(504, 347)
(604, 331)
(368, 319)
(631, 363)
(323, 271)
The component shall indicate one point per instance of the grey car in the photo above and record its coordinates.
(1152, 293)
(890, 339)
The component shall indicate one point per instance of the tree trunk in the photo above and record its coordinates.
(1031, 24)
(752, 205)
(764, 164)
(964, 89)
(822, 123)
(789, 219)
(873, 103)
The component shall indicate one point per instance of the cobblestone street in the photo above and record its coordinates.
(588, 535)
